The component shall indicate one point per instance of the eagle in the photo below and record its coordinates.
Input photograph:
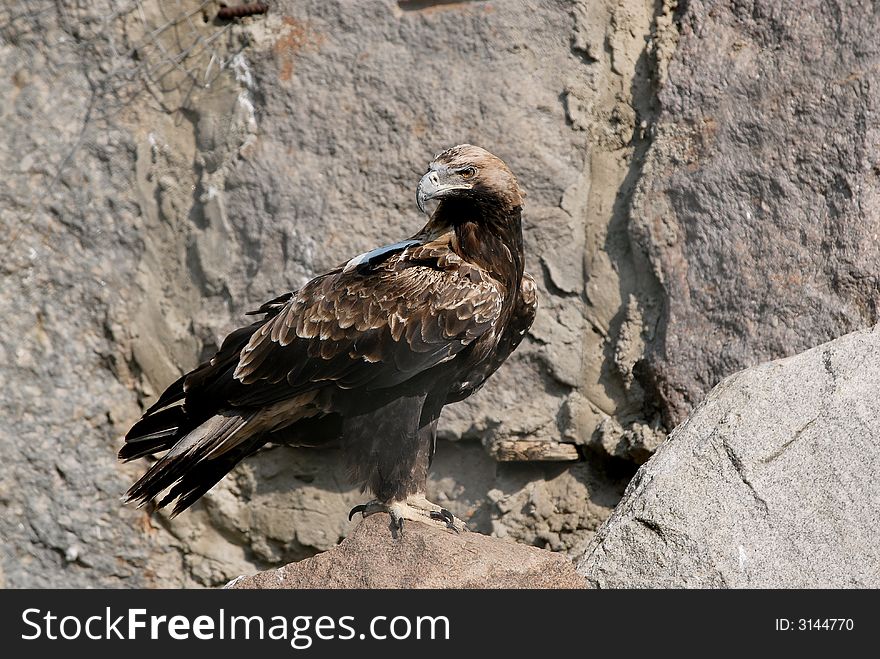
(363, 357)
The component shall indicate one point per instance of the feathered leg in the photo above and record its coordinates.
(394, 462)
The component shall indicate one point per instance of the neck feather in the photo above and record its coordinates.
(487, 234)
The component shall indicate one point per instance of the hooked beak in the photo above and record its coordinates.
(435, 185)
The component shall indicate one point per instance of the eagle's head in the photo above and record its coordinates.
(468, 172)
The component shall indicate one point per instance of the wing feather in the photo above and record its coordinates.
(373, 327)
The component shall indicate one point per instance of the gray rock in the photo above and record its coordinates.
(164, 173)
(758, 207)
(423, 557)
(772, 482)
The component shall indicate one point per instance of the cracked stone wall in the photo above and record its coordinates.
(759, 204)
(166, 172)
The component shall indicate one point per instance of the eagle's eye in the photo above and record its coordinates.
(467, 172)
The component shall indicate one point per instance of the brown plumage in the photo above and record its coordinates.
(364, 356)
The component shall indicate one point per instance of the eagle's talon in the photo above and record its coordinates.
(357, 509)
(443, 515)
(396, 526)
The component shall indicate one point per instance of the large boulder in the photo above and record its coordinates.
(758, 206)
(773, 482)
(422, 557)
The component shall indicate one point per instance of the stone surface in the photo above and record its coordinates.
(164, 172)
(772, 482)
(422, 557)
(759, 202)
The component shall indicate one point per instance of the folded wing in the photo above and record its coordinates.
(373, 327)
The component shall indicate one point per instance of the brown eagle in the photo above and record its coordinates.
(364, 356)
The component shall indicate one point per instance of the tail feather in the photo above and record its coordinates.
(189, 468)
(202, 477)
(155, 433)
(203, 440)
(148, 445)
(174, 393)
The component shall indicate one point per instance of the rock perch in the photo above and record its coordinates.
(424, 557)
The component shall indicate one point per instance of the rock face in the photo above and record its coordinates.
(773, 482)
(759, 203)
(164, 172)
(423, 557)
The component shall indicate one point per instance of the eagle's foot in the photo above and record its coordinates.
(415, 508)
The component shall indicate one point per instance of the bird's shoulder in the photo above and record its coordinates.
(414, 275)
(436, 255)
